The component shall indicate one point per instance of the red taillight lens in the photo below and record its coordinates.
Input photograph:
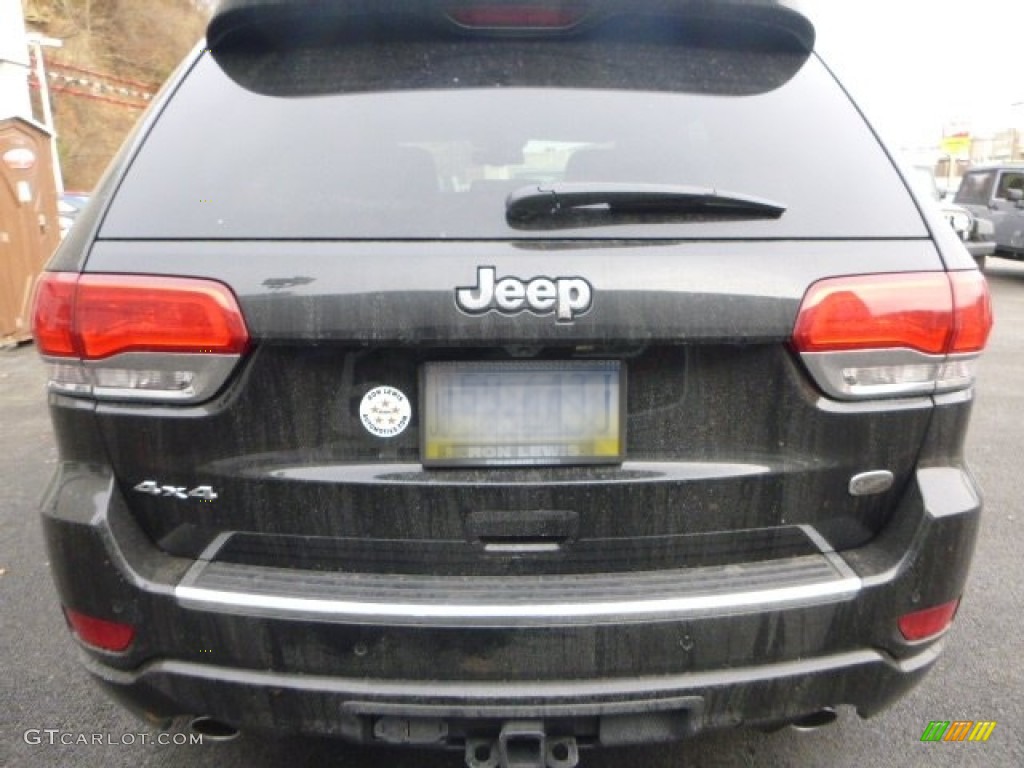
(96, 316)
(107, 635)
(972, 308)
(930, 622)
(52, 312)
(517, 16)
(911, 311)
(123, 313)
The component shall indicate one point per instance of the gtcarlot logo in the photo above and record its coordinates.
(958, 730)
(55, 737)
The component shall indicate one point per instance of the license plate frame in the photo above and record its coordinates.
(537, 413)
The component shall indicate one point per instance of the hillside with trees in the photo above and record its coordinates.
(115, 54)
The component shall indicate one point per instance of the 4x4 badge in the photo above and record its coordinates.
(155, 488)
(565, 297)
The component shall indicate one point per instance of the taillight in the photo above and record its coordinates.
(894, 334)
(876, 312)
(137, 337)
(100, 633)
(122, 313)
(931, 622)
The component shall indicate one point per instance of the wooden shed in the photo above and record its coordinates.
(29, 227)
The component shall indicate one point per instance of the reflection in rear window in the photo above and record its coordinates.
(225, 161)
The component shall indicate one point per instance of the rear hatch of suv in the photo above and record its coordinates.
(511, 295)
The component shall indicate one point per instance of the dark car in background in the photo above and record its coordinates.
(996, 193)
(509, 378)
(977, 234)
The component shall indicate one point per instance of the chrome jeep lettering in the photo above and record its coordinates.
(565, 297)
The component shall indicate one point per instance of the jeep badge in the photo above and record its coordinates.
(565, 297)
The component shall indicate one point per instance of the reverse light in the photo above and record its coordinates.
(931, 622)
(100, 633)
(894, 335)
(137, 337)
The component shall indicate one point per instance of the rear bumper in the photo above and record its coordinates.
(606, 712)
(544, 601)
(686, 663)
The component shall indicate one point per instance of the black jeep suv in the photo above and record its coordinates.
(509, 377)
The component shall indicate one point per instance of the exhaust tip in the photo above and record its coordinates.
(815, 720)
(212, 729)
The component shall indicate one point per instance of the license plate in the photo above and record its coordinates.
(523, 413)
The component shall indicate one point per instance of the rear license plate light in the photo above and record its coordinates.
(523, 413)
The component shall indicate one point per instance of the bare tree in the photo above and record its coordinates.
(138, 40)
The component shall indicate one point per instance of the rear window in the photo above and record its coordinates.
(976, 188)
(426, 139)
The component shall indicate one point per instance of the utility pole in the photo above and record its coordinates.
(38, 42)
(14, 66)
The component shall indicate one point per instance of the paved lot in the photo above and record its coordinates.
(980, 677)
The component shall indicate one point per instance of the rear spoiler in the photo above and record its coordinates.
(295, 22)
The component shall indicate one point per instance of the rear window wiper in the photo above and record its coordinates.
(583, 203)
